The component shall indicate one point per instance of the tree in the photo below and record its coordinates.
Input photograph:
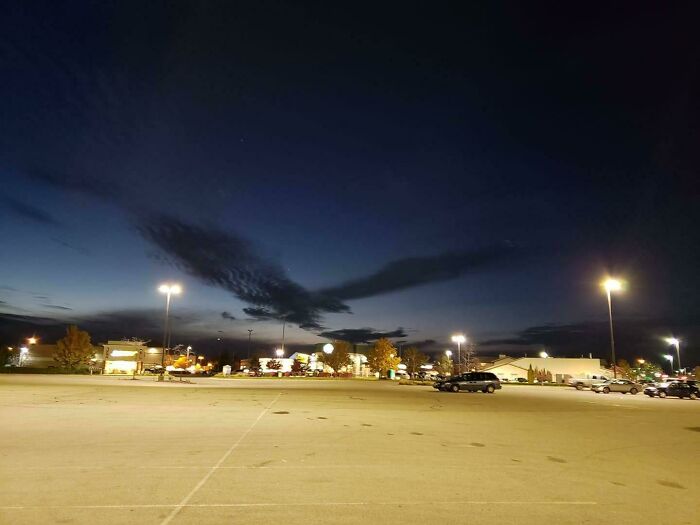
(298, 367)
(647, 370)
(224, 359)
(696, 372)
(413, 359)
(338, 358)
(624, 370)
(530, 375)
(444, 365)
(273, 364)
(254, 362)
(382, 357)
(74, 349)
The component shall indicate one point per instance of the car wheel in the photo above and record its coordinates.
(662, 394)
(633, 391)
(579, 386)
(490, 389)
(606, 390)
(693, 395)
(454, 388)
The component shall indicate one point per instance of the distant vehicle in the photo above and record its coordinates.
(586, 382)
(401, 374)
(673, 389)
(471, 382)
(427, 375)
(623, 386)
(521, 380)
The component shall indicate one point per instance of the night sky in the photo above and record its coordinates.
(412, 170)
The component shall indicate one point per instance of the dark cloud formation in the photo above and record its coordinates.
(27, 211)
(230, 262)
(75, 182)
(361, 335)
(56, 307)
(414, 271)
(227, 316)
(636, 337)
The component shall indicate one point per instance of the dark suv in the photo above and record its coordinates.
(471, 382)
(673, 389)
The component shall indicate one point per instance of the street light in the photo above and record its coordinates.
(31, 340)
(459, 339)
(279, 352)
(612, 285)
(669, 357)
(328, 348)
(544, 355)
(677, 343)
(167, 289)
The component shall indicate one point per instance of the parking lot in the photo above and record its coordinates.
(112, 450)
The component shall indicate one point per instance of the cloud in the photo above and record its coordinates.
(415, 271)
(27, 211)
(228, 316)
(228, 261)
(75, 182)
(361, 335)
(56, 307)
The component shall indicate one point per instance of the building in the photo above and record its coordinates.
(131, 356)
(41, 356)
(561, 368)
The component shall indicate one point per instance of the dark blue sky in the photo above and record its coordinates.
(414, 166)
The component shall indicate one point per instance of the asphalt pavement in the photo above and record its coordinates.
(112, 450)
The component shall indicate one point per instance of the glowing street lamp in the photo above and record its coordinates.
(677, 343)
(612, 285)
(544, 355)
(459, 339)
(448, 353)
(168, 289)
(279, 352)
(32, 340)
(328, 348)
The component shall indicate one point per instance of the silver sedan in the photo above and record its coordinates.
(624, 386)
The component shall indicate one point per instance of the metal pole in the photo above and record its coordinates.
(165, 330)
(250, 332)
(612, 337)
(678, 353)
(459, 357)
(284, 322)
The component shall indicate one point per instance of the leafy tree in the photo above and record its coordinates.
(298, 367)
(647, 370)
(413, 359)
(624, 370)
(254, 362)
(444, 365)
(74, 349)
(382, 357)
(530, 375)
(696, 372)
(273, 364)
(338, 358)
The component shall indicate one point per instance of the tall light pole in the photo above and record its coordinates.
(459, 339)
(168, 290)
(250, 332)
(612, 285)
(677, 343)
(669, 357)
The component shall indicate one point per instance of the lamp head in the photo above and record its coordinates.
(459, 338)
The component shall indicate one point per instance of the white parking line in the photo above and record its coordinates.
(213, 469)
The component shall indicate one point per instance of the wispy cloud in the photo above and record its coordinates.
(227, 316)
(361, 335)
(414, 271)
(27, 211)
(56, 307)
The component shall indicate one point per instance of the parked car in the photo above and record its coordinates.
(471, 382)
(625, 386)
(428, 375)
(673, 389)
(582, 382)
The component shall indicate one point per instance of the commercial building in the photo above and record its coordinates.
(131, 356)
(561, 368)
(42, 356)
